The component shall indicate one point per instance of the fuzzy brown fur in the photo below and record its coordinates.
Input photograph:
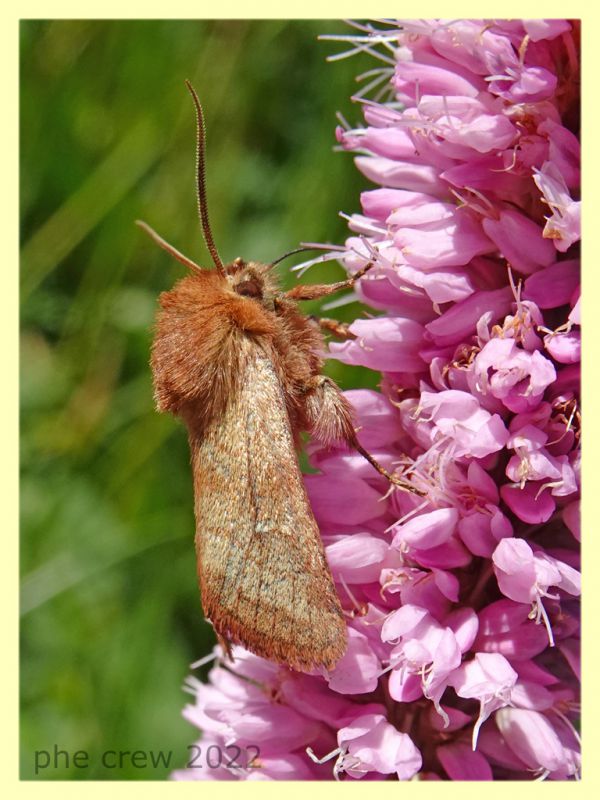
(237, 360)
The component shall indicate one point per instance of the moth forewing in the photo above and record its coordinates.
(263, 574)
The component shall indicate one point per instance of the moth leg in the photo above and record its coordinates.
(383, 471)
(225, 646)
(314, 291)
(329, 416)
(339, 329)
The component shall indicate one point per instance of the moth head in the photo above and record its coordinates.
(253, 280)
(245, 279)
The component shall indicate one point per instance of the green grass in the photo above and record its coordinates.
(110, 608)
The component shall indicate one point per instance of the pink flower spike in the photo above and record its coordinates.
(488, 678)
(453, 600)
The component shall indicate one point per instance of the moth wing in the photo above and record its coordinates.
(263, 576)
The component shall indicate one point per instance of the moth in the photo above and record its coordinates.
(236, 359)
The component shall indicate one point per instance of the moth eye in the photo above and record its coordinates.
(249, 289)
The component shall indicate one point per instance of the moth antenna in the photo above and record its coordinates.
(201, 183)
(166, 246)
(291, 253)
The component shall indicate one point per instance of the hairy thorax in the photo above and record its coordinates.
(197, 357)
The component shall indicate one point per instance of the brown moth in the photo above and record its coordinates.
(237, 360)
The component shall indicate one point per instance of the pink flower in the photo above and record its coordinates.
(457, 416)
(370, 744)
(358, 558)
(532, 737)
(516, 377)
(488, 678)
(454, 324)
(424, 648)
(382, 343)
(481, 531)
(469, 122)
(446, 242)
(563, 225)
(509, 230)
(554, 286)
(358, 669)
(525, 576)
(505, 627)
(426, 530)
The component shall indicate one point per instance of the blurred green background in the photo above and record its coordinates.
(110, 608)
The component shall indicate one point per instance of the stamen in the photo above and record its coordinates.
(353, 599)
(324, 759)
(202, 661)
(343, 300)
(543, 614)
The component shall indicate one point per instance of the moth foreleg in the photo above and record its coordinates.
(314, 291)
(339, 329)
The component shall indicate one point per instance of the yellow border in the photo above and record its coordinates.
(307, 9)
